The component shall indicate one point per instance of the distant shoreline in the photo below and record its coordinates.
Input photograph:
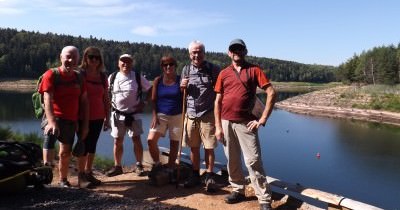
(325, 103)
(384, 117)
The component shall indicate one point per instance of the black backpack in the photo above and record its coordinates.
(20, 166)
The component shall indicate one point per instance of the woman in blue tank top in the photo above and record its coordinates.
(167, 112)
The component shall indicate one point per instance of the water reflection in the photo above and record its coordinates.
(15, 105)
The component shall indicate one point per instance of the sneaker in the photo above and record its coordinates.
(115, 171)
(210, 182)
(265, 206)
(92, 179)
(234, 197)
(83, 182)
(139, 170)
(65, 184)
(192, 181)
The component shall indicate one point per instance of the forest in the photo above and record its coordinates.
(25, 54)
(380, 65)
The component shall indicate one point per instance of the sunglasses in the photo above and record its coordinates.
(237, 48)
(91, 57)
(168, 64)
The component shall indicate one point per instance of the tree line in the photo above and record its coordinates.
(25, 54)
(380, 65)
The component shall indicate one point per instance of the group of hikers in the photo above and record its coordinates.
(201, 107)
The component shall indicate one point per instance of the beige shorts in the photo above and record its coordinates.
(200, 130)
(119, 129)
(171, 122)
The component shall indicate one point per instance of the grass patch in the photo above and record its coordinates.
(102, 163)
(377, 97)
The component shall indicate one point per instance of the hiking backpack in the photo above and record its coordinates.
(37, 98)
(20, 166)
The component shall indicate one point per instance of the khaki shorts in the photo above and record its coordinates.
(118, 127)
(171, 122)
(200, 130)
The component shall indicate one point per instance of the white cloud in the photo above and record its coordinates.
(145, 31)
(10, 11)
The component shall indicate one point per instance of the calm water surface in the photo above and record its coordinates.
(358, 160)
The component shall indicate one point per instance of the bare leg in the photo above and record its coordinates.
(209, 157)
(137, 148)
(173, 153)
(65, 155)
(48, 156)
(152, 141)
(118, 151)
(89, 162)
(195, 157)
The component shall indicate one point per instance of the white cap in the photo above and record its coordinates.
(126, 56)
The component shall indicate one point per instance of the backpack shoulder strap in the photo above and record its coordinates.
(111, 85)
(139, 83)
(56, 73)
(79, 78)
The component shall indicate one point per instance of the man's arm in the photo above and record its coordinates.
(219, 134)
(269, 103)
(51, 127)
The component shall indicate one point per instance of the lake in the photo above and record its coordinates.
(358, 160)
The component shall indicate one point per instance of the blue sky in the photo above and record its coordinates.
(324, 32)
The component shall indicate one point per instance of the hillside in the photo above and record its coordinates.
(25, 54)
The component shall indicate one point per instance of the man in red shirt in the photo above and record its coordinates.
(236, 127)
(63, 100)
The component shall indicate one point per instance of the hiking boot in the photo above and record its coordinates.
(115, 171)
(83, 182)
(192, 181)
(65, 184)
(210, 182)
(265, 206)
(139, 170)
(92, 179)
(154, 170)
(234, 197)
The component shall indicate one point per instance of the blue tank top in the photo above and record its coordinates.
(169, 98)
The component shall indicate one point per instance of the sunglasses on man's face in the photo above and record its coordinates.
(237, 48)
(168, 64)
(91, 57)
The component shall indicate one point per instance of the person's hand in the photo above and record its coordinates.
(154, 121)
(51, 129)
(84, 132)
(253, 125)
(106, 124)
(184, 82)
(219, 134)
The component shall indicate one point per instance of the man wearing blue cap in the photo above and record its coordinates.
(237, 127)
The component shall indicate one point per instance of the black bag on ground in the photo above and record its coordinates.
(21, 166)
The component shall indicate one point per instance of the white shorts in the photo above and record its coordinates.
(118, 127)
(171, 122)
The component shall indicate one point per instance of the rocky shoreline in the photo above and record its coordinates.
(329, 103)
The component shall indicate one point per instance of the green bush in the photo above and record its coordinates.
(102, 163)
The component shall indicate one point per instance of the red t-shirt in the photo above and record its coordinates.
(66, 93)
(96, 88)
(236, 99)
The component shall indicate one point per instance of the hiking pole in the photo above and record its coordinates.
(178, 172)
